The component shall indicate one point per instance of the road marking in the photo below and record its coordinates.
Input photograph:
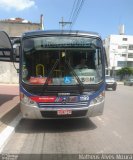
(7, 132)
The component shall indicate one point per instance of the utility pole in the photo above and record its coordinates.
(64, 23)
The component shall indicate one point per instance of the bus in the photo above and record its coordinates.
(61, 73)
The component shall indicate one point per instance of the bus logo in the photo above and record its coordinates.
(84, 98)
(64, 100)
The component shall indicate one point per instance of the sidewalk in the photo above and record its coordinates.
(9, 104)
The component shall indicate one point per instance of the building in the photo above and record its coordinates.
(119, 50)
(14, 27)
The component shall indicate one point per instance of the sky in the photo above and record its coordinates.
(102, 16)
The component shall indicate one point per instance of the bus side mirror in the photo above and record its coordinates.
(16, 48)
(16, 53)
(17, 70)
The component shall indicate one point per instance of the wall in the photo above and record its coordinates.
(8, 74)
(16, 29)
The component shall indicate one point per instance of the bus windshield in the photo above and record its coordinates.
(61, 60)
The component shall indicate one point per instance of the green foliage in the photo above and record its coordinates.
(124, 72)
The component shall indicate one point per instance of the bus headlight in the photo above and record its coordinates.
(98, 99)
(27, 100)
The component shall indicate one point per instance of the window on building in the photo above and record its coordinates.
(119, 47)
(130, 64)
(124, 39)
(121, 63)
(122, 47)
(131, 47)
(123, 55)
(130, 55)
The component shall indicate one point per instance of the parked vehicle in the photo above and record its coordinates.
(128, 82)
(110, 83)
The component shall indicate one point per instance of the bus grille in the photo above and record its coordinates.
(62, 105)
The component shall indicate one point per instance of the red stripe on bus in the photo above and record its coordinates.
(44, 98)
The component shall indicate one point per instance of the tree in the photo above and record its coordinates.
(125, 72)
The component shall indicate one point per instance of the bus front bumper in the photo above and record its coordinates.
(34, 112)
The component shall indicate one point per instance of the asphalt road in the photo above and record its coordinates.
(110, 133)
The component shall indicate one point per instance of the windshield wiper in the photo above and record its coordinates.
(81, 86)
(49, 75)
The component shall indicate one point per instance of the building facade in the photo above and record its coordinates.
(14, 27)
(119, 50)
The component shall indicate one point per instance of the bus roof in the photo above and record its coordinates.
(60, 32)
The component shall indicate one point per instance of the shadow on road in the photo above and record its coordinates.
(54, 126)
(5, 98)
(9, 116)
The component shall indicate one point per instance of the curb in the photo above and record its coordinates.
(8, 131)
(8, 123)
(9, 116)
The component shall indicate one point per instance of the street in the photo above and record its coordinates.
(110, 133)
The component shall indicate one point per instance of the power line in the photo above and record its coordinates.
(72, 12)
(78, 11)
(77, 6)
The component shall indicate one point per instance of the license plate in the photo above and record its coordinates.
(64, 112)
